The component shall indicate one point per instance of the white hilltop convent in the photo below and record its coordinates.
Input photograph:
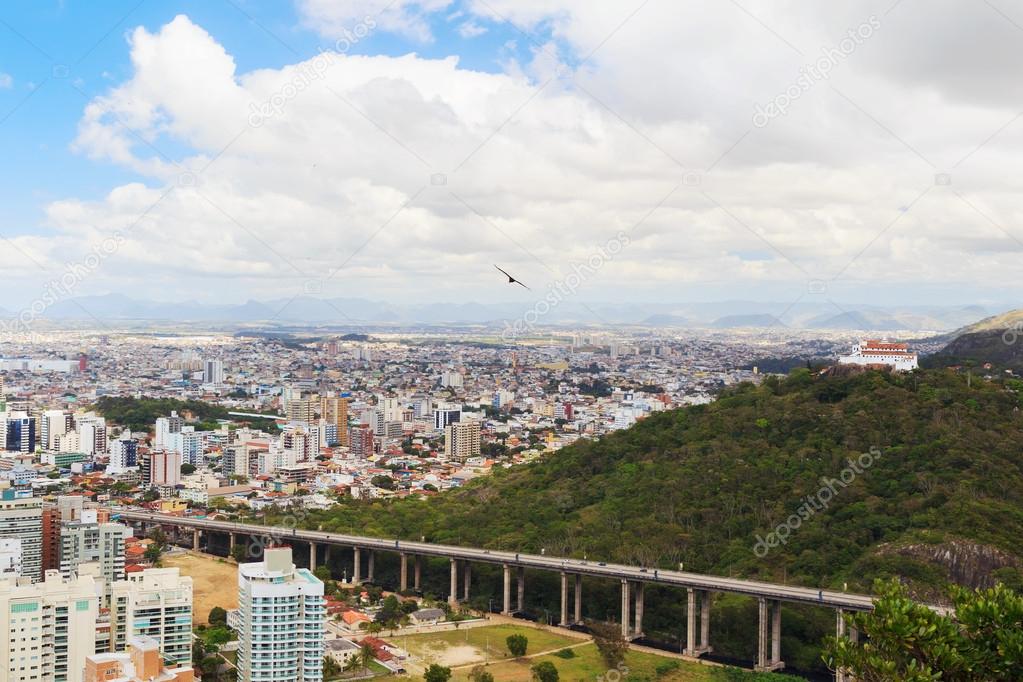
(873, 352)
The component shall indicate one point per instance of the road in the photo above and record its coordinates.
(786, 593)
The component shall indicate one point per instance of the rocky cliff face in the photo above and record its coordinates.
(964, 562)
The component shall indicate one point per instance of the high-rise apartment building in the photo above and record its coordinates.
(156, 603)
(360, 440)
(445, 415)
(160, 468)
(124, 454)
(213, 371)
(281, 621)
(335, 410)
(87, 540)
(54, 424)
(462, 440)
(92, 434)
(47, 629)
(23, 519)
(451, 379)
(19, 432)
(166, 426)
(301, 409)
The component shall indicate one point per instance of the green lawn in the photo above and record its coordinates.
(461, 650)
(489, 642)
(587, 666)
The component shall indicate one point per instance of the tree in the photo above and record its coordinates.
(544, 671)
(437, 673)
(187, 469)
(610, 642)
(218, 616)
(239, 553)
(323, 573)
(480, 674)
(382, 481)
(330, 668)
(366, 655)
(517, 645)
(982, 639)
(153, 553)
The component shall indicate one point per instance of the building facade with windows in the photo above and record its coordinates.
(281, 621)
(48, 628)
(155, 603)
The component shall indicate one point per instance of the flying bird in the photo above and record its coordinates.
(512, 280)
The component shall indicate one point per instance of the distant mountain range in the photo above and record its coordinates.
(997, 339)
(306, 310)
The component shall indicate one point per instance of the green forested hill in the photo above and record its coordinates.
(944, 500)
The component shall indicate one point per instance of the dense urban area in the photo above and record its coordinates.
(248, 427)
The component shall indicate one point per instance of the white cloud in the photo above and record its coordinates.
(471, 29)
(333, 18)
(556, 171)
(6, 81)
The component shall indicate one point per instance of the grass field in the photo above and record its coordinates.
(587, 666)
(214, 583)
(476, 645)
(461, 650)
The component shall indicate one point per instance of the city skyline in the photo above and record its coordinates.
(383, 150)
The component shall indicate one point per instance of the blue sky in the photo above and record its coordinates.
(840, 187)
(59, 54)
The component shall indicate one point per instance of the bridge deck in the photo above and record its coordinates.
(753, 588)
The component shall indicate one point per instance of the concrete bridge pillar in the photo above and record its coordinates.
(841, 675)
(705, 599)
(417, 583)
(369, 569)
(312, 556)
(578, 598)
(356, 566)
(506, 604)
(195, 540)
(626, 599)
(404, 572)
(453, 594)
(637, 626)
(769, 636)
(564, 622)
(698, 635)
(466, 579)
(522, 589)
(231, 542)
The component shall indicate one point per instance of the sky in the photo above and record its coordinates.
(649, 150)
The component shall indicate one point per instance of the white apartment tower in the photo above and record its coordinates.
(281, 621)
(166, 426)
(86, 540)
(213, 371)
(47, 628)
(155, 603)
(55, 423)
